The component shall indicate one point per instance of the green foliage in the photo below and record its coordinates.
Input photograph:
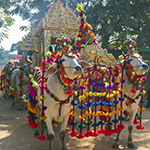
(5, 22)
(3, 56)
(14, 47)
(113, 21)
(116, 20)
(40, 7)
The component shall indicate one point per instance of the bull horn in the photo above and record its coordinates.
(24, 65)
(123, 54)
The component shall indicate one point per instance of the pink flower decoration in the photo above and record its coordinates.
(144, 79)
(43, 62)
(51, 59)
(80, 27)
(47, 90)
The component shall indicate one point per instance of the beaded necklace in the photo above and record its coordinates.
(131, 100)
(61, 102)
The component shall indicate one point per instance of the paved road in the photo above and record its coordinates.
(16, 134)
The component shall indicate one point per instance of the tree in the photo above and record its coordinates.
(40, 7)
(3, 56)
(5, 22)
(14, 46)
(114, 21)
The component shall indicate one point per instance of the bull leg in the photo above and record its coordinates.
(7, 92)
(14, 99)
(50, 137)
(20, 103)
(36, 132)
(50, 132)
(116, 144)
(13, 103)
(62, 137)
(62, 130)
(130, 127)
(4, 95)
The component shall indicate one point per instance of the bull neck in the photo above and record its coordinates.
(129, 86)
(55, 87)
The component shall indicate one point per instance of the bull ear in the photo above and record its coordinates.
(51, 69)
(84, 64)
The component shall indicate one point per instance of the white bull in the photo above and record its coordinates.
(139, 67)
(15, 84)
(73, 68)
(8, 68)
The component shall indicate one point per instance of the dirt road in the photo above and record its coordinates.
(16, 134)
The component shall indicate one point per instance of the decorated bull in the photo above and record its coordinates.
(123, 78)
(120, 85)
(6, 76)
(134, 69)
(19, 83)
(56, 91)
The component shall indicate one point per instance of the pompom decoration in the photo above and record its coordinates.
(21, 82)
(41, 138)
(51, 59)
(133, 91)
(108, 84)
(140, 127)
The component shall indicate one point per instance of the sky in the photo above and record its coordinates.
(14, 33)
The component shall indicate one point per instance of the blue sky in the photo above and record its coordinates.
(15, 34)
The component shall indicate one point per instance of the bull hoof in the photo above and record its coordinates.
(13, 104)
(115, 146)
(51, 137)
(131, 145)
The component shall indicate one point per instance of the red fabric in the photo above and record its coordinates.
(18, 57)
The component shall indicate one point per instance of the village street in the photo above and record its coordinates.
(16, 134)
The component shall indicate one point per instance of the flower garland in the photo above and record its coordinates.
(102, 102)
(140, 126)
(81, 107)
(95, 104)
(85, 35)
(33, 86)
(73, 114)
(1, 83)
(102, 115)
(38, 80)
(42, 98)
(12, 94)
(21, 81)
(4, 81)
